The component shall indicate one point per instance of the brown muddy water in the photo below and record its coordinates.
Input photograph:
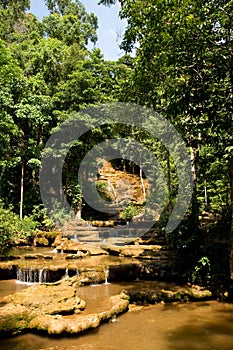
(178, 326)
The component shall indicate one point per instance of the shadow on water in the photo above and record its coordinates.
(208, 326)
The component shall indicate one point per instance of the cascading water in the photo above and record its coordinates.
(30, 276)
(75, 237)
(106, 274)
(77, 272)
(42, 275)
(67, 273)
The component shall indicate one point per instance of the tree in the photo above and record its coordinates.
(70, 23)
(10, 84)
(46, 74)
(11, 13)
(183, 69)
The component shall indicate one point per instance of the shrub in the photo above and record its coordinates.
(12, 228)
(130, 211)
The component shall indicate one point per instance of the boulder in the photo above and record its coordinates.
(44, 238)
(69, 246)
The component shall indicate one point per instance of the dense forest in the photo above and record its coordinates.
(178, 61)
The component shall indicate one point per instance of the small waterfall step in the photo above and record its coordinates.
(30, 275)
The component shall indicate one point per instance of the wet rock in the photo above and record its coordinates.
(144, 297)
(92, 275)
(44, 238)
(92, 250)
(79, 323)
(9, 257)
(99, 223)
(119, 241)
(59, 240)
(69, 246)
(75, 247)
(78, 255)
(14, 319)
(142, 251)
(135, 251)
(19, 241)
(111, 249)
(37, 256)
(59, 325)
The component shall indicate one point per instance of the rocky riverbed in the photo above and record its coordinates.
(52, 304)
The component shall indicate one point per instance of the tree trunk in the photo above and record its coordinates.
(194, 176)
(206, 195)
(169, 182)
(143, 186)
(78, 214)
(195, 205)
(231, 179)
(21, 191)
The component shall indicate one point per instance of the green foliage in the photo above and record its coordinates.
(69, 22)
(103, 189)
(130, 211)
(13, 229)
(8, 223)
(202, 272)
(46, 74)
(74, 195)
(25, 228)
(39, 214)
(183, 70)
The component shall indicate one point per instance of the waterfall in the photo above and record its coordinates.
(30, 276)
(67, 273)
(77, 272)
(106, 274)
(112, 189)
(75, 237)
(42, 275)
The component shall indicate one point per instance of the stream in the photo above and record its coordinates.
(178, 326)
